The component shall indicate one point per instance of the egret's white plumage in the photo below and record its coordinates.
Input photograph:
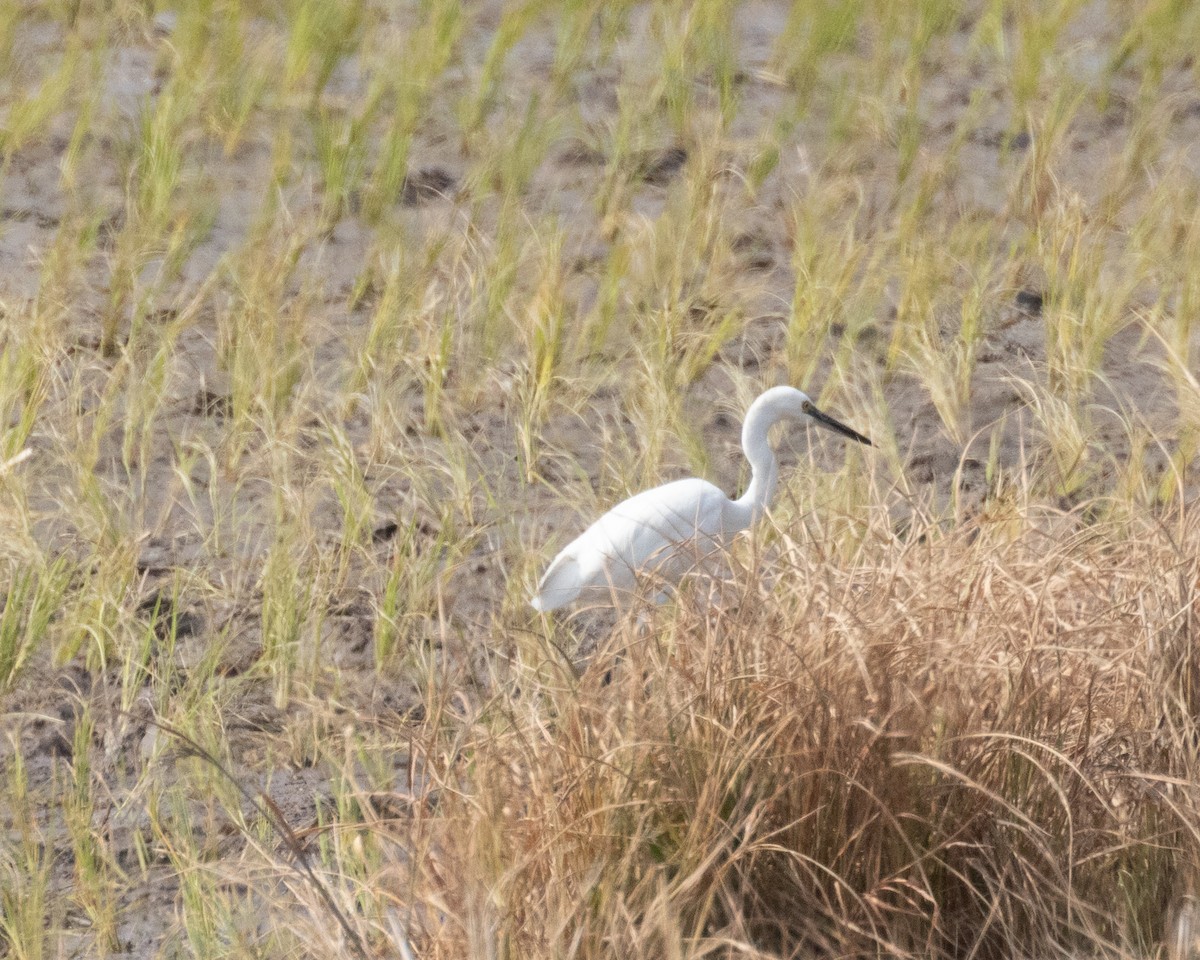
(672, 529)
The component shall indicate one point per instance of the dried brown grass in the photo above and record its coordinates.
(978, 743)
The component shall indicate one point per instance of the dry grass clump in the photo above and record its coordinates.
(976, 744)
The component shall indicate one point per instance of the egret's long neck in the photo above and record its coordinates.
(764, 469)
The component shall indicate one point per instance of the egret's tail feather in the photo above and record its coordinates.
(559, 586)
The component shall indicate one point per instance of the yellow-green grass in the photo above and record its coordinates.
(324, 323)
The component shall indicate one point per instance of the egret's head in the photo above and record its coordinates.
(796, 404)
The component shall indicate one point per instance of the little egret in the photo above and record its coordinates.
(672, 529)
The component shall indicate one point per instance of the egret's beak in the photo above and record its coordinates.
(829, 423)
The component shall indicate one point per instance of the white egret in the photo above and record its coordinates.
(669, 530)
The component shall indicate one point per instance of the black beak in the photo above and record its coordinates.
(829, 423)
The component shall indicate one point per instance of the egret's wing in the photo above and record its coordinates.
(672, 514)
(664, 530)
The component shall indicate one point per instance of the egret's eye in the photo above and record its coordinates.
(806, 406)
